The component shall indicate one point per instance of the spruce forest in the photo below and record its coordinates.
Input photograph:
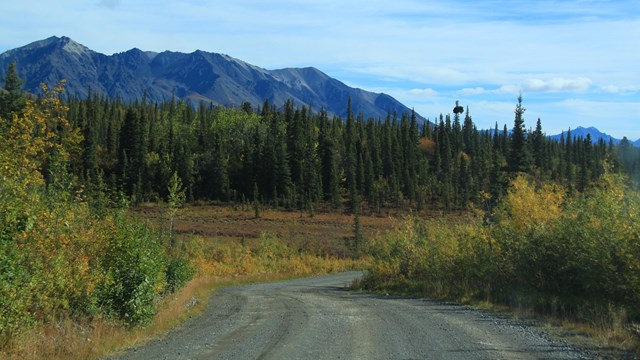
(491, 214)
(298, 158)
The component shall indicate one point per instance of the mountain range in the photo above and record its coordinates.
(596, 135)
(198, 76)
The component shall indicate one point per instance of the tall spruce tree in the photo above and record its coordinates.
(568, 163)
(519, 155)
(12, 99)
(328, 150)
(350, 158)
(537, 144)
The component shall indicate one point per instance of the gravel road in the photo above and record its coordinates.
(317, 318)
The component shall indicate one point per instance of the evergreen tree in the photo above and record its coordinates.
(568, 161)
(350, 158)
(627, 155)
(464, 180)
(388, 164)
(329, 161)
(504, 141)
(468, 135)
(537, 143)
(446, 163)
(90, 145)
(277, 156)
(584, 158)
(12, 99)
(256, 201)
(219, 181)
(519, 156)
(357, 230)
(311, 177)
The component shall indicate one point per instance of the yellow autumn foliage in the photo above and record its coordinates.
(59, 259)
(266, 255)
(528, 205)
(573, 256)
(31, 138)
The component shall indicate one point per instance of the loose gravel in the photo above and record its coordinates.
(318, 318)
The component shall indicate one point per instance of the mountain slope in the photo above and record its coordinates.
(198, 76)
(582, 132)
(596, 135)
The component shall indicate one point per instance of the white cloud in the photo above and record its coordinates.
(508, 89)
(579, 84)
(623, 90)
(504, 89)
(553, 85)
(441, 75)
(611, 89)
(423, 92)
(472, 91)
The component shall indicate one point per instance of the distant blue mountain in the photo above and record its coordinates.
(596, 135)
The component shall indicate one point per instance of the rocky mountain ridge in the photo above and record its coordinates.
(199, 76)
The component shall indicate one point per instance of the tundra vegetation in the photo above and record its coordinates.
(507, 216)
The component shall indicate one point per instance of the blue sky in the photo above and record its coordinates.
(576, 63)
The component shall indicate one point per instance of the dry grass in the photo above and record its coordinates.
(69, 339)
(612, 336)
(224, 221)
(324, 234)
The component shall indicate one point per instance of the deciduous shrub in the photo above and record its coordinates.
(178, 272)
(571, 256)
(59, 258)
(135, 268)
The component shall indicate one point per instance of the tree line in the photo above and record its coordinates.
(298, 158)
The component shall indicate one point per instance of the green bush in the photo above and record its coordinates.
(178, 273)
(14, 314)
(135, 273)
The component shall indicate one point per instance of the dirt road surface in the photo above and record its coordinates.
(318, 318)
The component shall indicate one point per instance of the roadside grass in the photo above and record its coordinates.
(72, 340)
(97, 338)
(610, 334)
(226, 246)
